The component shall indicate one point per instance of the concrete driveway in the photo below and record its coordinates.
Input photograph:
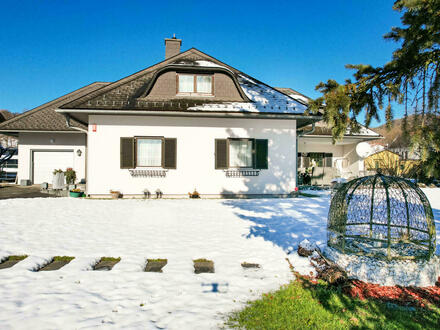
(8, 191)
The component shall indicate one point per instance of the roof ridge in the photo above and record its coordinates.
(47, 104)
(135, 75)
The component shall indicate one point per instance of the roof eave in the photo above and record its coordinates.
(188, 113)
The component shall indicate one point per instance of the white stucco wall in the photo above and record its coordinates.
(343, 150)
(195, 155)
(29, 142)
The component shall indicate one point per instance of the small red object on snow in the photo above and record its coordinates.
(296, 188)
(93, 127)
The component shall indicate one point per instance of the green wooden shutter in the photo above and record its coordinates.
(221, 153)
(127, 152)
(170, 153)
(261, 152)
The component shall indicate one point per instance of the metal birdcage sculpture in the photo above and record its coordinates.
(381, 216)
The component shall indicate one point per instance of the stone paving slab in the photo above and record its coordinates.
(106, 264)
(203, 266)
(155, 265)
(56, 263)
(249, 265)
(11, 261)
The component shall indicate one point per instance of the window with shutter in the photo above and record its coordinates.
(261, 154)
(221, 154)
(127, 153)
(170, 153)
(241, 153)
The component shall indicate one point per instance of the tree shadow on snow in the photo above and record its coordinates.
(436, 213)
(284, 222)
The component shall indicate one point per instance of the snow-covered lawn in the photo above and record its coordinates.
(228, 232)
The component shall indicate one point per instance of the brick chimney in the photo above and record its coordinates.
(172, 46)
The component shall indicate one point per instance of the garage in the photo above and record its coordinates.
(45, 162)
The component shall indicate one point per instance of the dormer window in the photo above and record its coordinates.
(192, 84)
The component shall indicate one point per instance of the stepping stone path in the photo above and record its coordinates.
(11, 261)
(249, 265)
(56, 263)
(106, 263)
(203, 266)
(155, 265)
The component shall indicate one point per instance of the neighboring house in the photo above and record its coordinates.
(328, 160)
(5, 140)
(395, 139)
(389, 162)
(8, 169)
(188, 122)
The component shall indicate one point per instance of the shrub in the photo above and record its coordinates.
(70, 176)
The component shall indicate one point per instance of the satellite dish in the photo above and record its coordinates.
(364, 149)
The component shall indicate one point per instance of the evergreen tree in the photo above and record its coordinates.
(411, 78)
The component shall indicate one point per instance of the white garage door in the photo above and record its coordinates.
(47, 161)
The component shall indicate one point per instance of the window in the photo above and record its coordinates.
(240, 153)
(318, 159)
(194, 84)
(11, 163)
(149, 152)
(186, 84)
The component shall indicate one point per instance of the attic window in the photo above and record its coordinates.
(190, 84)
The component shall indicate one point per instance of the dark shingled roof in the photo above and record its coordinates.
(127, 93)
(44, 117)
(323, 129)
(5, 115)
(294, 94)
(131, 93)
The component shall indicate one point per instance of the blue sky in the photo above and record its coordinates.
(51, 47)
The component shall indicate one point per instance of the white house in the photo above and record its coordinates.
(188, 122)
(329, 161)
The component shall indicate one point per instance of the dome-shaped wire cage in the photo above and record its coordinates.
(381, 216)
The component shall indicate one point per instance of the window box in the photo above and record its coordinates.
(238, 173)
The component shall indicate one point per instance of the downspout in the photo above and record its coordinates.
(301, 133)
(67, 116)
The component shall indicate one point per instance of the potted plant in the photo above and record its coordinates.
(70, 175)
(194, 194)
(115, 194)
(58, 179)
(76, 193)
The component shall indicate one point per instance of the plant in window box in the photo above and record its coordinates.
(76, 193)
(115, 194)
(194, 194)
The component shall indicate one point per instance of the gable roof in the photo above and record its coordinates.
(44, 117)
(321, 128)
(5, 115)
(129, 93)
(294, 94)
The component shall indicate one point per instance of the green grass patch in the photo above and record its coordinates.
(18, 257)
(110, 259)
(301, 305)
(157, 260)
(63, 258)
(202, 260)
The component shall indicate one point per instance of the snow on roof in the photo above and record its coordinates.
(264, 99)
